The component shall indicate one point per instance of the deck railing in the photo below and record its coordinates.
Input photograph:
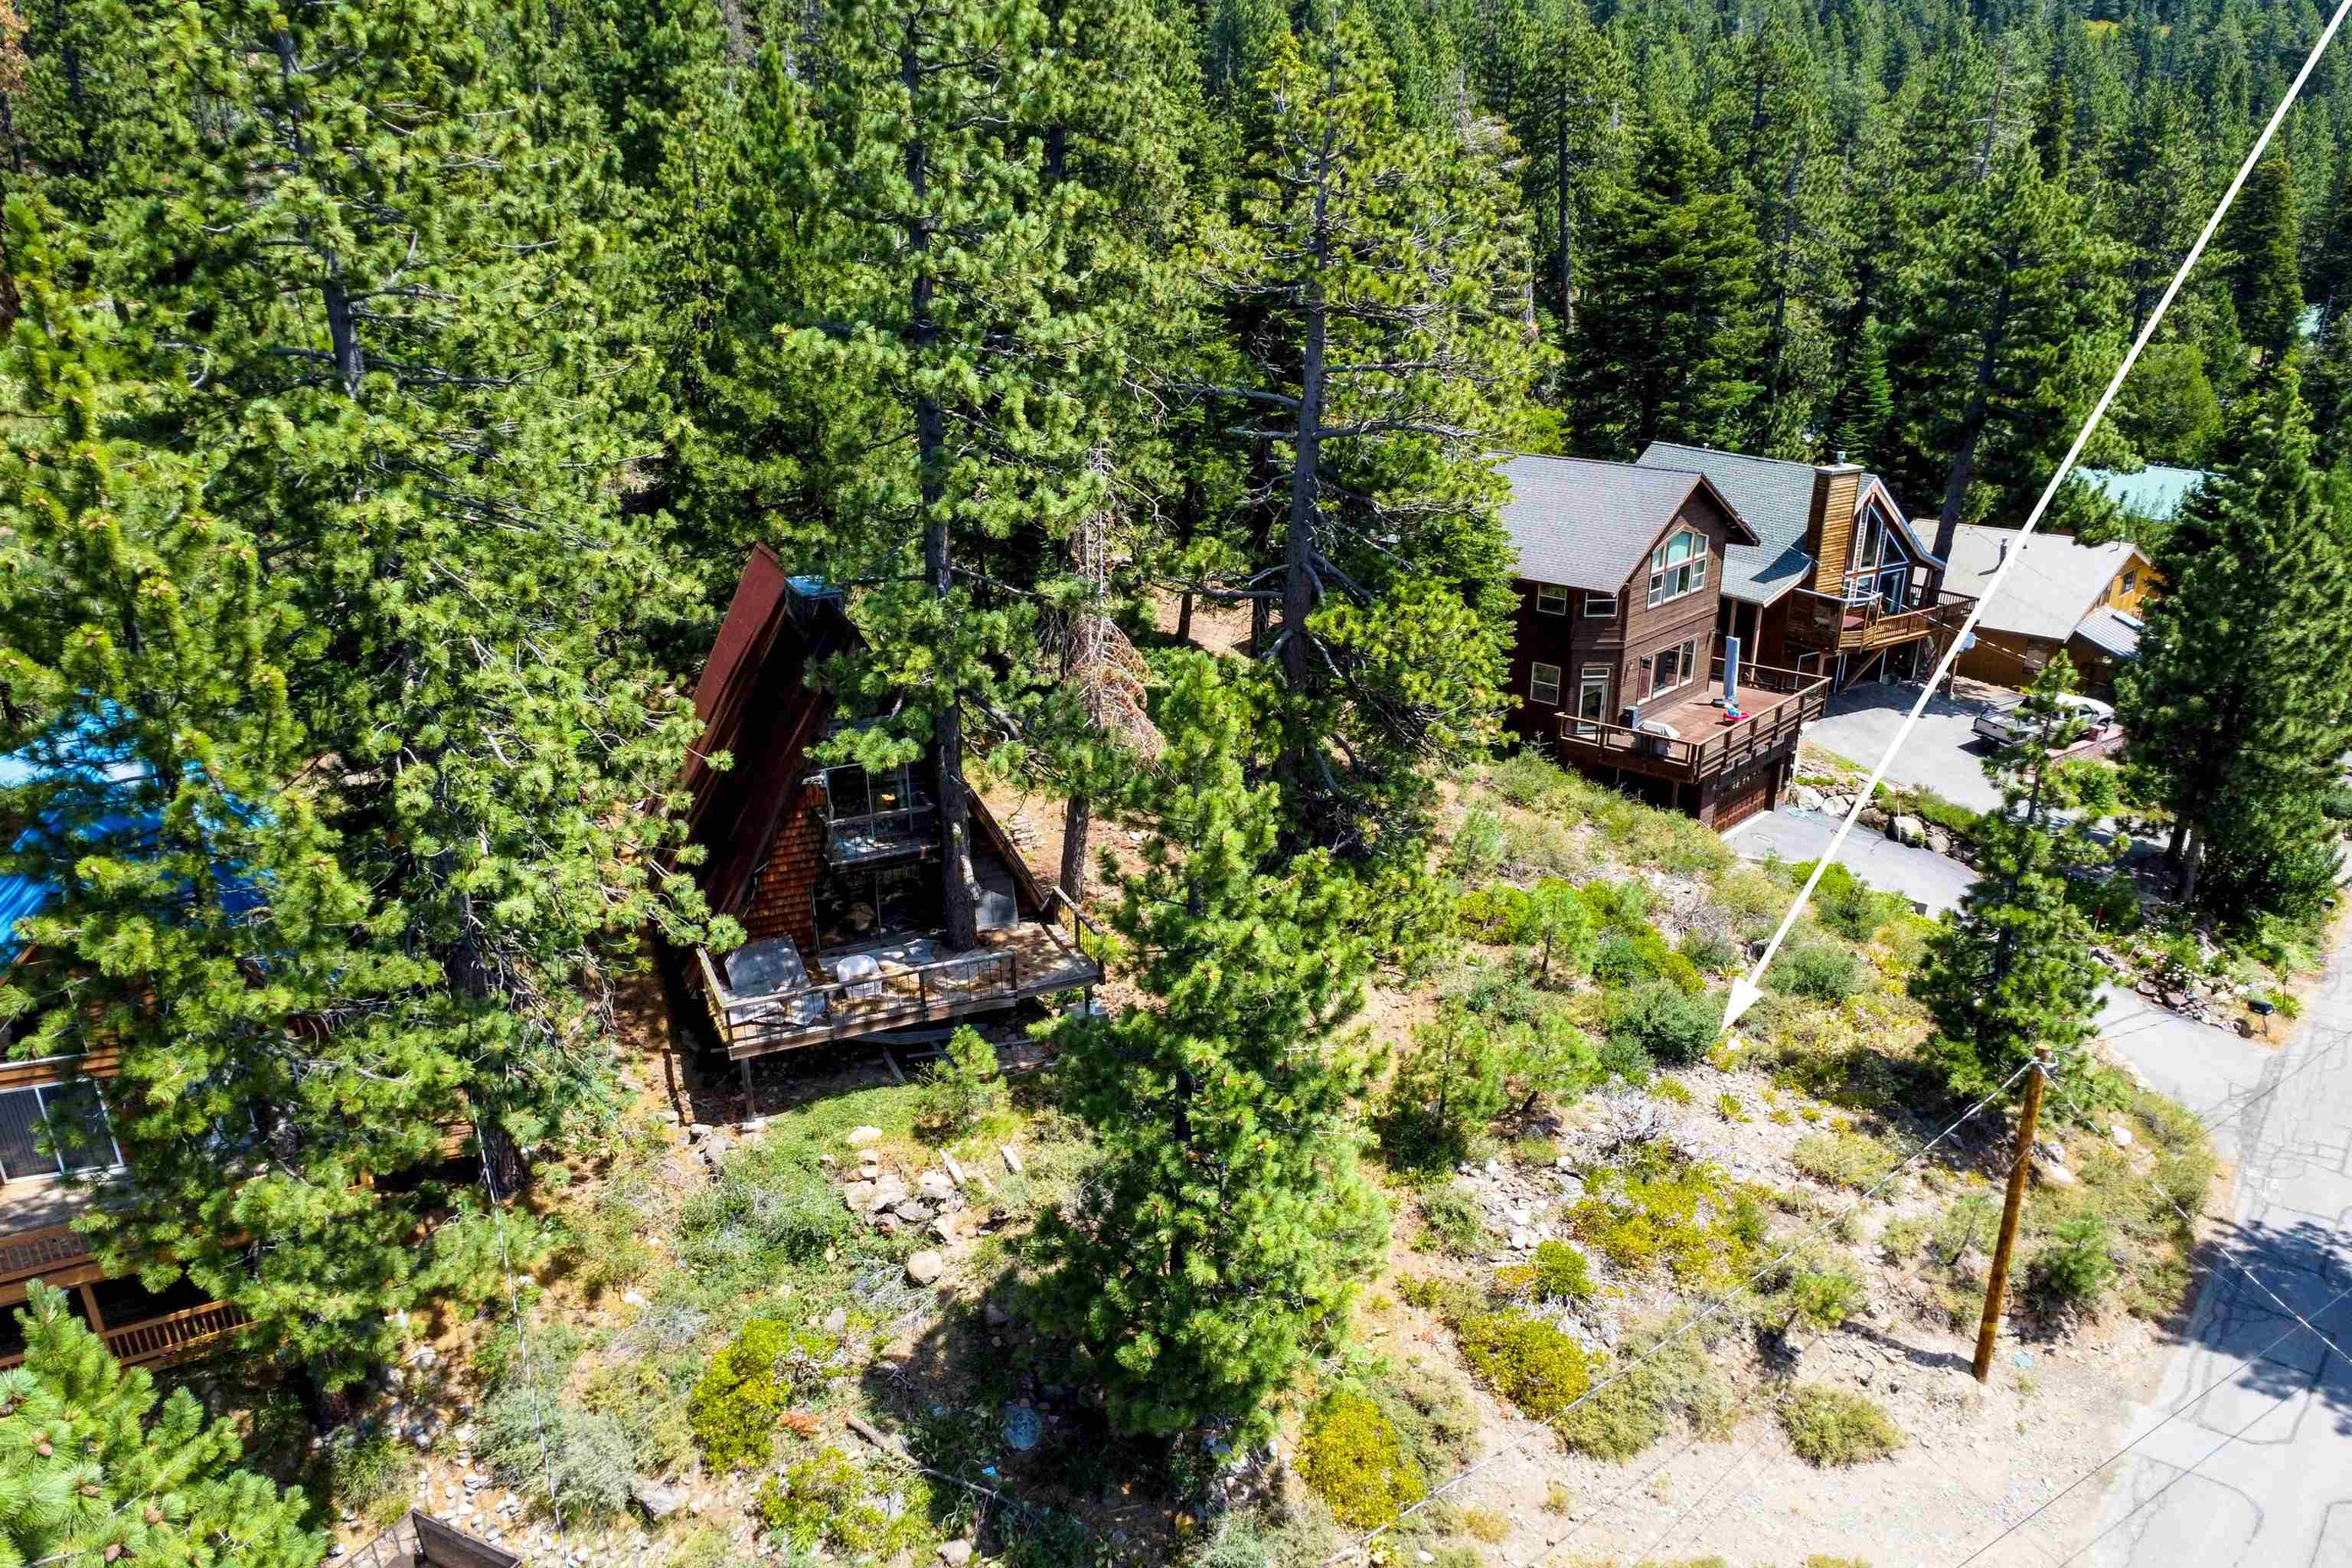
(30, 1252)
(1803, 698)
(945, 987)
(1850, 625)
(849, 839)
(171, 1337)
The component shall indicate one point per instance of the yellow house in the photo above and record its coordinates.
(2084, 598)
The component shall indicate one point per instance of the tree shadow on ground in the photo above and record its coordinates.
(977, 1394)
(2276, 1300)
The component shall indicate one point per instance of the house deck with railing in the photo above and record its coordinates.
(1776, 704)
(1859, 625)
(37, 1241)
(906, 981)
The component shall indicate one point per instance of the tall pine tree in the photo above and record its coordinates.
(1218, 1243)
(2237, 702)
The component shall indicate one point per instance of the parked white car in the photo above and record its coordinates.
(2007, 724)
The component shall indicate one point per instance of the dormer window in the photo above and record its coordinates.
(1677, 567)
(1551, 599)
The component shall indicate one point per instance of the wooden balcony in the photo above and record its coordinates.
(915, 984)
(1778, 703)
(46, 1253)
(1821, 620)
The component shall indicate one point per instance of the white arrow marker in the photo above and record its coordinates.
(1746, 989)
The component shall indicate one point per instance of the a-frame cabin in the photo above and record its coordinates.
(837, 874)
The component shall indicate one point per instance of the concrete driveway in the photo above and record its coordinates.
(2244, 1459)
(1933, 882)
(1941, 755)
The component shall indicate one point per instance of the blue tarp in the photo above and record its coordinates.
(82, 760)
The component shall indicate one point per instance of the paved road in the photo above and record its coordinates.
(1862, 721)
(2256, 1472)
(1925, 878)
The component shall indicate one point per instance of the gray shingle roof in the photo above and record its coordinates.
(2111, 631)
(2053, 585)
(1587, 524)
(1777, 499)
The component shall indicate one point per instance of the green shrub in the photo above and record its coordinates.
(1853, 1160)
(2074, 1266)
(1525, 779)
(1490, 914)
(1455, 1222)
(2110, 903)
(1818, 969)
(1350, 1457)
(1561, 1274)
(1674, 1091)
(1710, 951)
(527, 1437)
(1670, 1025)
(634, 1392)
(1662, 1385)
(1525, 1360)
(1837, 1427)
(828, 1496)
(1848, 905)
(733, 1408)
(956, 1092)
(1821, 1293)
(1478, 847)
(374, 1476)
(1620, 906)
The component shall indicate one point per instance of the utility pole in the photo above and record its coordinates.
(2019, 1165)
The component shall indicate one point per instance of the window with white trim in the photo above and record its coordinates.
(1551, 599)
(1600, 607)
(1673, 666)
(1543, 685)
(1678, 566)
(53, 1129)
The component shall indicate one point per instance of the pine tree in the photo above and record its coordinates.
(1565, 94)
(2237, 702)
(2004, 334)
(950, 253)
(2264, 269)
(1216, 1245)
(1866, 403)
(1381, 272)
(371, 306)
(1674, 356)
(94, 1469)
(2006, 971)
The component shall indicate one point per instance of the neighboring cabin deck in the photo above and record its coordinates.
(914, 982)
(37, 1241)
(1778, 703)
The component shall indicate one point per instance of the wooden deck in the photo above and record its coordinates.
(919, 983)
(1778, 703)
(1825, 622)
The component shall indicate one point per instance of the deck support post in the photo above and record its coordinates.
(89, 1308)
(750, 1106)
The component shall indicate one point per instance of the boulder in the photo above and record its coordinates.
(859, 1196)
(659, 1501)
(1908, 829)
(956, 1553)
(1012, 1160)
(1805, 797)
(936, 1186)
(915, 1210)
(2052, 1172)
(925, 1267)
(890, 1192)
(861, 1136)
(2121, 1135)
(1939, 841)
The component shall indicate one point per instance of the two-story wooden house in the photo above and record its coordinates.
(1836, 582)
(1619, 667)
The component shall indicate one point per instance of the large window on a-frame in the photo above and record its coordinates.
(1881, 562)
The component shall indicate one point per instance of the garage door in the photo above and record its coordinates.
(1742, 795)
